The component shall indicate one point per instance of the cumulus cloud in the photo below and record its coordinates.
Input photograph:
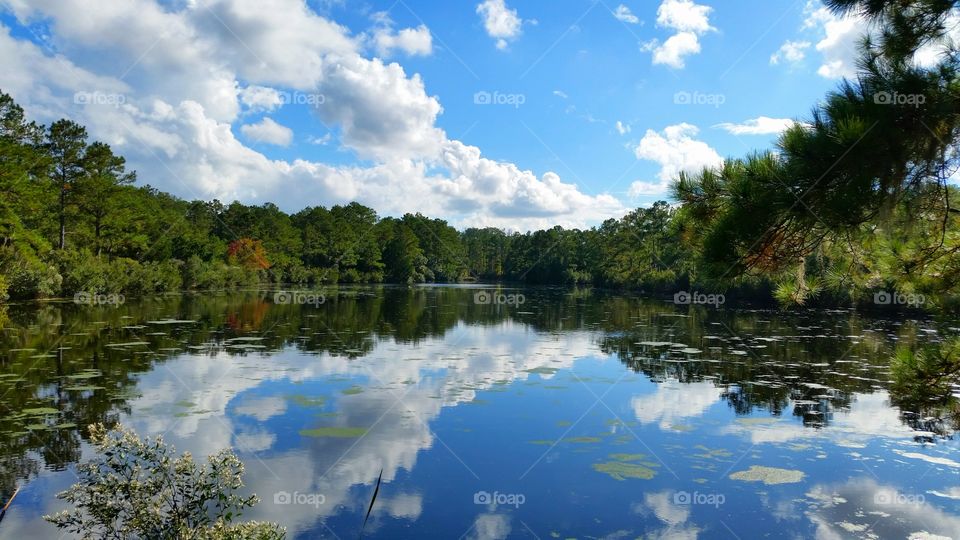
(790, 52)
(500, 22)
(762, 125)
(622, 128)
(268, 131)
(410, 41)
(675, 150)
(623, 14)
(684, 16)
(673, 51)
(261, 98)
(838, 47)
(690, 21)
(196, 71)
(836, 37)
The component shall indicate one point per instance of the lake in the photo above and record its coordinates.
(493, 413)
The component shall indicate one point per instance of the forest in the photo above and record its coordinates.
(855, 206)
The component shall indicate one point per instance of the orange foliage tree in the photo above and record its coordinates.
(248, 253)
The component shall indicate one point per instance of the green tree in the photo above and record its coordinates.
(97, 193)
(66, 144)
(888, 137)
(405, 262)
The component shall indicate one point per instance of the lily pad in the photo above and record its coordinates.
(619, 470)
(335, 432)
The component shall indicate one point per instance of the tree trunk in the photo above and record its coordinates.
(63, 216)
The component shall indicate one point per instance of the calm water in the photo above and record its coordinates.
(572, 415)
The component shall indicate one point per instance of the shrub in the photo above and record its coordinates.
(32, 278)
(139, 488)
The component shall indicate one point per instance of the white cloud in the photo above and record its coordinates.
(261, 98)
(676, 151)
(837, 39)
(622, 128)
(762, 125)
(672, 52)
(383, 113)
(500, 22)
(321, 141)
(560, 94)
(411, 41)
(268, 131)
(690, 21)
(791, 52)
(684, 16)
(839, 43)
(623, 14)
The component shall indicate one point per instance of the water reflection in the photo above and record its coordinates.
(427, 385)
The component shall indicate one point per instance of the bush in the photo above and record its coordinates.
(32, 278)
(139, 488)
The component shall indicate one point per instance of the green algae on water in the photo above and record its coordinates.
(308, 401)
(582, 440)
(334, 432)
(620, 470)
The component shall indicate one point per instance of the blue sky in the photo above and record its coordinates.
(518, 114)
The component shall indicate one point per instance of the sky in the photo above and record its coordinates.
(519, 114)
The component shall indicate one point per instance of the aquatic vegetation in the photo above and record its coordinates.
(308, 401)
(621, 470)
(335, 432)
(628, 457)
(582, 440)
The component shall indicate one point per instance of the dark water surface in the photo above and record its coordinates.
(572, 415)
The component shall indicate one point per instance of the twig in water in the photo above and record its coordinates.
(373, 500)
(4, 511)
